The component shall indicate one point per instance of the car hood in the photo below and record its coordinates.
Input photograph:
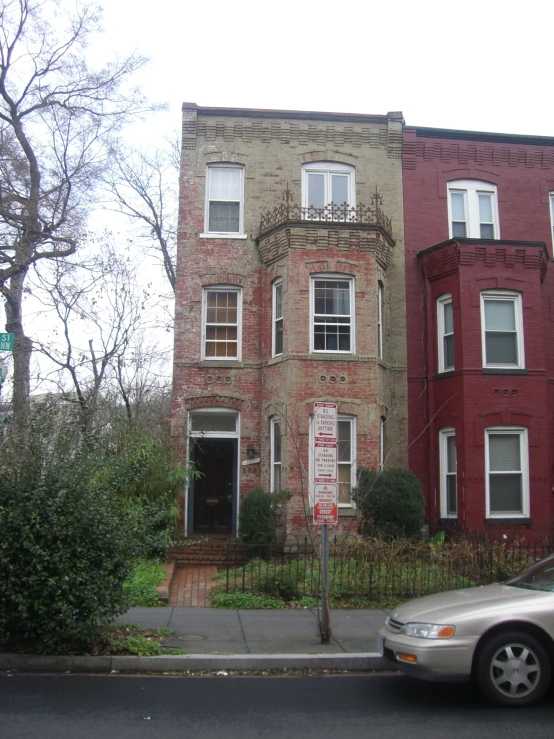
(457, 604)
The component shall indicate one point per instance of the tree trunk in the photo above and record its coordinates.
(22, 347)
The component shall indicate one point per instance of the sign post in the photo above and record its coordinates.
(325, 492)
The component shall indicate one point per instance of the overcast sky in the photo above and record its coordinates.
(479, 65)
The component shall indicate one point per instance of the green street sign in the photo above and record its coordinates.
(6, 342)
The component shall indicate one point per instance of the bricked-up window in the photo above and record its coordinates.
(275, 455)
(224, 199)
(332, 312)
(502, 329)
(507, 466)
(448, 483)
(473, 210)
(277, 339)
(445, 333)
(346, 458)
(327, 182)
(222, 313)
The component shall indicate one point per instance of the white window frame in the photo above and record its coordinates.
(327, 169)
(352, 293)
(275, 423)
(223, 234)
(342, 417)
(277, 285)
(382, 422)
(551, 201)
(444, 436)
(379, 320)
(471, 189)
(516, 299)
(442, 302)
(222, 289)
(524, 471)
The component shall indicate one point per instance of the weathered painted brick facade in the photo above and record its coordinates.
(272, 147)
(470, 399)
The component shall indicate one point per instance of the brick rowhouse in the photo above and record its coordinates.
(481, 397)
(339, 314)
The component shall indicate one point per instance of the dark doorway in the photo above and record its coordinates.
(212, 503)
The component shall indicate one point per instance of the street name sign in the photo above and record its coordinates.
(326, 504)
(6, 342)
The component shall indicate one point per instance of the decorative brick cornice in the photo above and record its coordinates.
(446, 258)
(480, 154)
(342, 238)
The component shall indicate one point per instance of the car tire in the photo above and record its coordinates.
(513, 669)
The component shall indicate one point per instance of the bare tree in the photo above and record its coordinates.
(144, 186)
(58, 120)
(100, 314)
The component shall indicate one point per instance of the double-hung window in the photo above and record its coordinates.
(448, 484)
(445, 333)
(221, 323)
(346, 458)
(473, 210)
(507, 468)
(332, 314)
(324, 183)
(502, 329)
(275, 483)
(277, 333)
(224, 200)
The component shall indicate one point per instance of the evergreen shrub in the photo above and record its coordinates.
(390, 503)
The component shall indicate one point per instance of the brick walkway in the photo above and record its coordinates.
(191, 585)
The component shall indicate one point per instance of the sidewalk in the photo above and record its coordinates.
(220, 640)
(286, 631)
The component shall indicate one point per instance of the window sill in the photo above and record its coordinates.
(223, 236)
(446, 373)
(333, 355)
(504, 371)
(517, 520)
(220, 363)
(347, 512)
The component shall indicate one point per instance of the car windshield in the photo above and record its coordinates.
(539, 576)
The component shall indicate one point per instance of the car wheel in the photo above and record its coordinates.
(513, 669)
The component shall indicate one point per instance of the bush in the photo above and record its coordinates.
(67, 544)
(391, 503)
(257, 527)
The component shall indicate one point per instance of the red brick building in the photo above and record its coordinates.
(290, 291)
(478, 212)
(401, 273)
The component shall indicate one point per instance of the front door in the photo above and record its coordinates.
(213, 492)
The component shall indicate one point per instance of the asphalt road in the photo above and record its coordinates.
(349, 706)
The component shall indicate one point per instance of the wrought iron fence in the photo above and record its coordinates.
(375, 572)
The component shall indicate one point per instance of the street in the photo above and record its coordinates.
(379, 705)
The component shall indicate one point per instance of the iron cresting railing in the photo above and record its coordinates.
(377, 571)
(290, 212)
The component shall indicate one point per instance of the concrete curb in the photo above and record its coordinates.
(360, 661)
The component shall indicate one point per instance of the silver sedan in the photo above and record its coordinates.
(501, 636)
